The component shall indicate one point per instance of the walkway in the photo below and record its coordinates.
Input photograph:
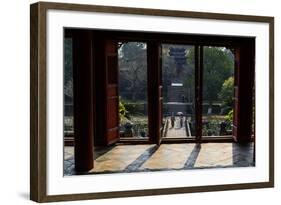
(178, 131)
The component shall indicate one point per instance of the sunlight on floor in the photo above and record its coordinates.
(136, 158)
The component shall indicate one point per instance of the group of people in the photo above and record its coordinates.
(173, 119)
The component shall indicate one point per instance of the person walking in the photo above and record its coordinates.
(173, 120)
(181, 120)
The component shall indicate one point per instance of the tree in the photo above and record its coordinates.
(68, 70)
(217, 67)
(132, 68)
(226, 93)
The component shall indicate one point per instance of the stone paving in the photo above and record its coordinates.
(139, 158)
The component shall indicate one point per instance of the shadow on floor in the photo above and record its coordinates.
(141, 159)
(243, 154)
(190, 162)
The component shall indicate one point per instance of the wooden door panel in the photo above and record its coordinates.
(198, 61)
(243, 97)
(235, 113)
(159, 91)
(112, 68)
(112, 97)
(111, 135)
(112, 109)
(112, 91)
(236, 110)
(154, 91)
(160, 115)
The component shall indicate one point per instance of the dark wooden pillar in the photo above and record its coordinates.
(244, 91)
(83, 100)
(155, 99)
(100, 90)
(198, 59)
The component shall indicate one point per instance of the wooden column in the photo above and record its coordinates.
(198, 59)
(154, 92)
(244, 84)
(83, 100)
(100, 89)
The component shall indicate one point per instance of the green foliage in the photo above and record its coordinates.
(122, 111)
(140, 123)
(218, 66)
(229, 116)
(132, 112)
(226, 93)
(134, 108)
(211, 128)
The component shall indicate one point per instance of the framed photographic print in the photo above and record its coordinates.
(135, 102)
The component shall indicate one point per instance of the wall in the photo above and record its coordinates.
(14, 109)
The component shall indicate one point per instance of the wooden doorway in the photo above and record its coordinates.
(100, 56)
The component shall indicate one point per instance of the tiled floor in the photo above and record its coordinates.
(135, 158)
(169, 156)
